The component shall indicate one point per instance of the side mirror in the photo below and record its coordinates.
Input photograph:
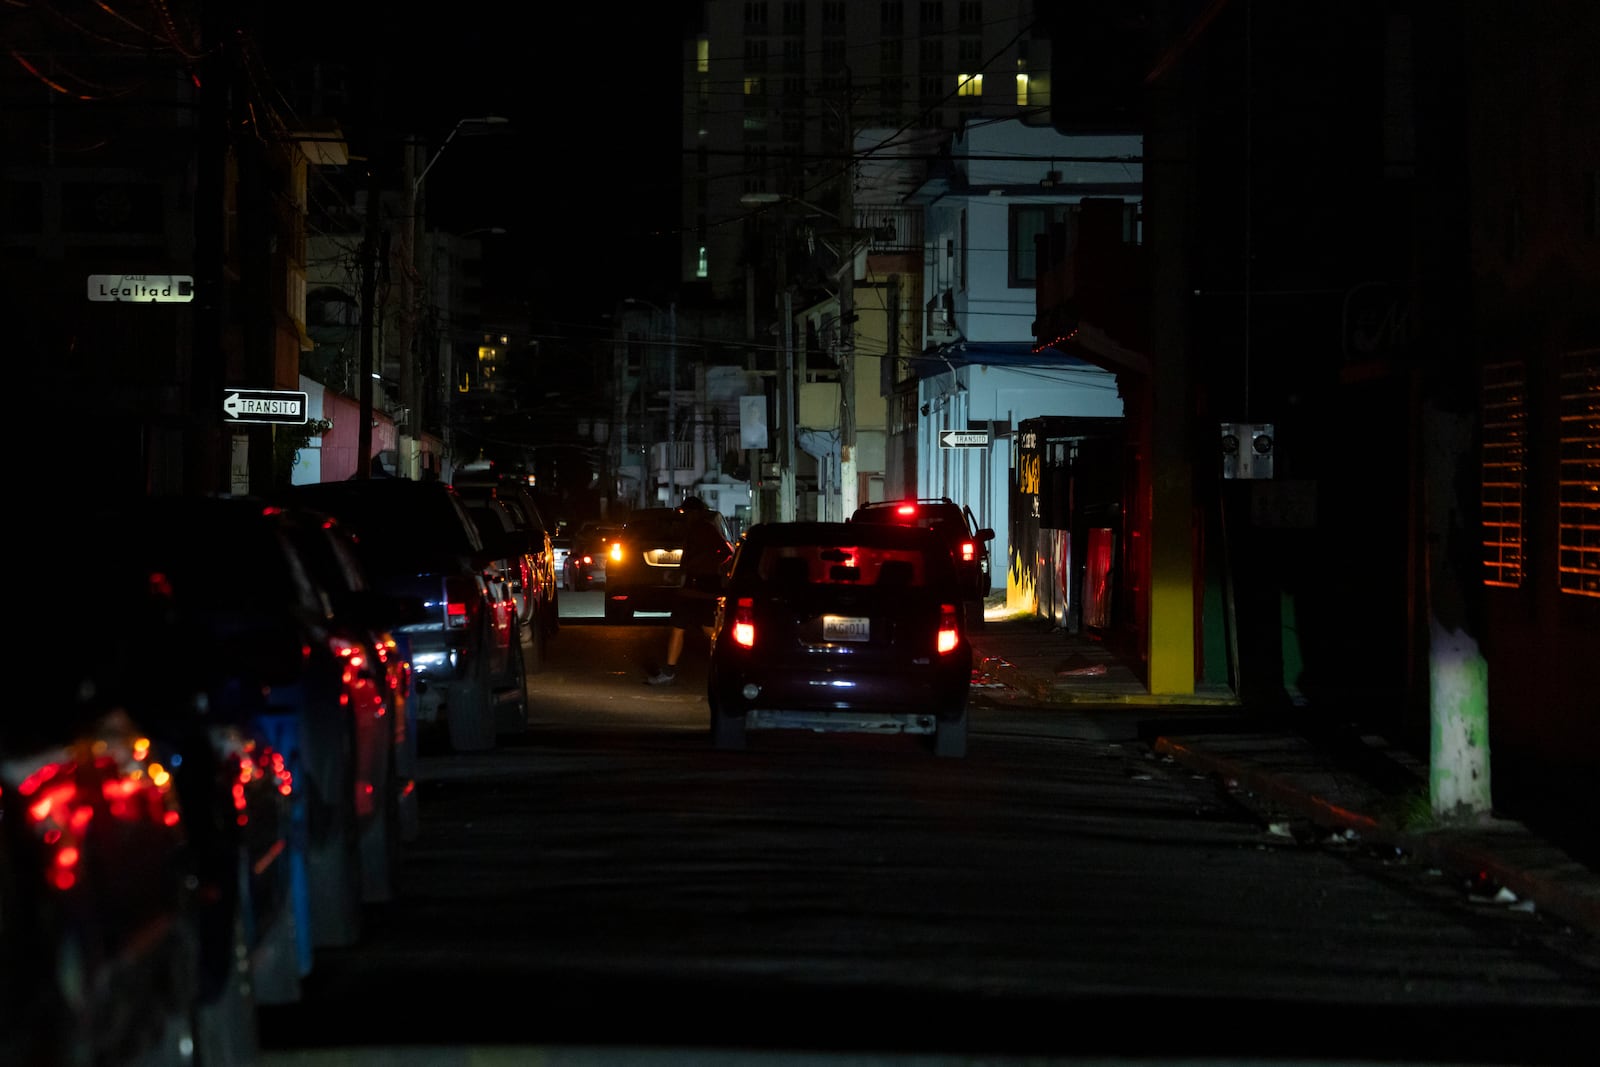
(985, 534)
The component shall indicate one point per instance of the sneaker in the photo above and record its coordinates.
(664, 676)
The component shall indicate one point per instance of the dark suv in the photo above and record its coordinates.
(969, 542)
(422, 548)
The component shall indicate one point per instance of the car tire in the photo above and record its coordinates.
(333, 867)
(950, 737)
(533, 641)
(511, 701)
(225, 1024)
(470, 714)
(380, 844)
(275, 955)
(728, 732)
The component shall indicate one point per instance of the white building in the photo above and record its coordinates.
(1004, 186)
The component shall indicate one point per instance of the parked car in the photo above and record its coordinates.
(847, 627)
(592, 545)
(421, 547)
(541, 597)
(642, 571)
(523, 637)
(561, 546)
(272, 649)
(331, 554)
(144, 906)
(98, 929)
(955, 523)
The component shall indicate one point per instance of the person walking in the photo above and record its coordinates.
(705, 557)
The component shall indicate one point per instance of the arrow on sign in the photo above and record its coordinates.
(965, 439)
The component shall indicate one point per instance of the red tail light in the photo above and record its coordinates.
(969, 551)
(744, 623)
(460, 604)
(949, 635)
(906, 510)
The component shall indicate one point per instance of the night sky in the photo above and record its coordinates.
(584, 177)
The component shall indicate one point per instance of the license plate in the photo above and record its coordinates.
(845, 628)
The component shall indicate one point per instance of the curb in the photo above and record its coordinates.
(1495, 851)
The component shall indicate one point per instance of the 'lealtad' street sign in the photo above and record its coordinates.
(263, 405)
(141, 288)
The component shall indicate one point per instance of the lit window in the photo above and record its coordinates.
(702, 55)
(1022, 83)
(700, 268)
(969, 84)
(1578, 529)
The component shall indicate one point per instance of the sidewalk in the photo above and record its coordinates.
(1322, 774)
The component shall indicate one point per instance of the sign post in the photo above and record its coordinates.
(263, 405)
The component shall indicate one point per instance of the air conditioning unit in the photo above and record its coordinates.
(942, 316)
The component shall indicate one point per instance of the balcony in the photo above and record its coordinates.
(891, 230)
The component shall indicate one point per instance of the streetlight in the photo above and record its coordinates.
(410, 401)
(672, 382)
(485, 120)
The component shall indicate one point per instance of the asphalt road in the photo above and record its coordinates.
(608, 889)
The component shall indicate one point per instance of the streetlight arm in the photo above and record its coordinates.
(417, 184)
(487, 120)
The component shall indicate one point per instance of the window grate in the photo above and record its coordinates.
(1578, 528)
(1505, 472)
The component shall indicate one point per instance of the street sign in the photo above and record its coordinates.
(964, 439)
(261, 405)
(142, 288)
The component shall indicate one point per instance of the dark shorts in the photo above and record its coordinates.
(689, 612)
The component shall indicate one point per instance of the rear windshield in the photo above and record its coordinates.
(882, 555)
(657, 526)
(947, 521)
(845, 565)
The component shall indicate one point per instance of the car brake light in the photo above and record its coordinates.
(459, 597)
(744, 623)
(906, 510)
(616, 551)
(949, 636)
(968, 550)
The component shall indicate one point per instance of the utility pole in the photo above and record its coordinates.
(848, 490)
(369, 317)
(410, 306)
(788, 384)
(672, 399)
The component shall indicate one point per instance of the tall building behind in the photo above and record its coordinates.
(774, 90)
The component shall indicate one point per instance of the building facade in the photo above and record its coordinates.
(775, 90)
